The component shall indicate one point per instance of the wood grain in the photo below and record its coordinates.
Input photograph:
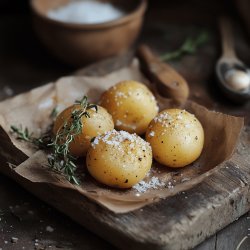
(224, 241)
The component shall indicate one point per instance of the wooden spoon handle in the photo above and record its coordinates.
(227, 38)
(169, 83)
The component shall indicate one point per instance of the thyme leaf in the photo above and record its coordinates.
(54, 113)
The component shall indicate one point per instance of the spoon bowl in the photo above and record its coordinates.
(222, 67)
(229, 63)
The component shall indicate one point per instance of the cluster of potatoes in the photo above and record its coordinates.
(116, 154)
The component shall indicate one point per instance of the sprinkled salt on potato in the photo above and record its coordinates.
(119, 159)
(132, 106)
(176, 137)
(99, 122)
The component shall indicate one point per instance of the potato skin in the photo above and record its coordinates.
(176, 138)
(132, 106)
(119, 159)
(98, 123)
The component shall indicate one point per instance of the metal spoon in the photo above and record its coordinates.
(233, 76)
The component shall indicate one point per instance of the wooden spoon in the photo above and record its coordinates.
(232, 74)
(169, 83)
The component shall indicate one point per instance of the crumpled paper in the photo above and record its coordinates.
(33, 109)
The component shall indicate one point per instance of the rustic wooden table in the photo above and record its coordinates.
(25, 64)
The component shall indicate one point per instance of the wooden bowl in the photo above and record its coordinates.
(78, 44)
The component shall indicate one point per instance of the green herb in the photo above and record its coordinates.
(24, 135)
(190, 46)
(54, 112)
(60, 159)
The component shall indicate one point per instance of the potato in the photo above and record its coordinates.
(119, 159)
(176, 138)
(131, 105)
(98, 123)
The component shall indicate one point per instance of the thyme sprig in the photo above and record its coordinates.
(60, 159)
(190, 46)
(23, 134)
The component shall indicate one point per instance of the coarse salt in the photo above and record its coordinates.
(121, 94)
(143, 186)
(162, 117)
(152, 133)
(179, 117)
(115, 138)
(85, 12)
(118, 123)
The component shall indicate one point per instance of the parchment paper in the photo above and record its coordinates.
(33, 110)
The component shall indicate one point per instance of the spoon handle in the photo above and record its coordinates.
(170, 83)
(227, 38)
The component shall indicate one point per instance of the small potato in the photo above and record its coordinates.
(131, 105)
(98, 123)
(176, 137)
(119, 159)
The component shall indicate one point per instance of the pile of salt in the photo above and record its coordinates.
(85, 12)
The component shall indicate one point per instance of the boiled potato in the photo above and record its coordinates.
(176, 137)
(119, 159)
(131, 105)
(99, 122)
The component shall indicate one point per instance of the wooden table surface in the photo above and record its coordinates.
(25, 64)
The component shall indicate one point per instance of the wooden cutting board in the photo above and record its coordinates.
(179, 222)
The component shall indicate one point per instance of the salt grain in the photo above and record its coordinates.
(14, 239)
(179, 117)
(121, 94)
(49, 229)
(118, 123)
(85, 12)
(152, 133)
(170, 185)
